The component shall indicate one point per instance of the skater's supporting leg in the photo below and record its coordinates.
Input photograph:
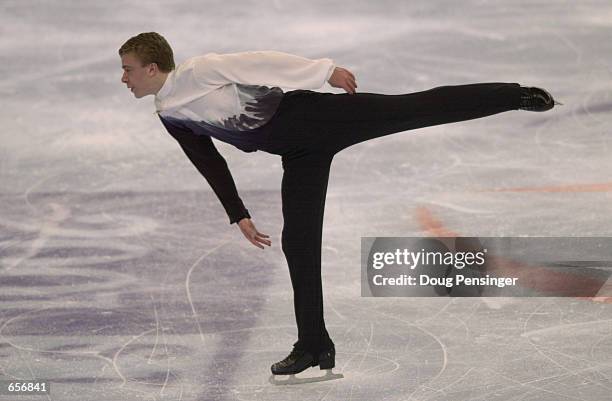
(304, 187)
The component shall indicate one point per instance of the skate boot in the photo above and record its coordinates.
(298, 361)
(536, 99)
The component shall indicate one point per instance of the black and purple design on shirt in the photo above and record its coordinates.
(258, 103)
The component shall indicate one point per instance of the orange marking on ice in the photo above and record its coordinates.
(537, 277)
(543, 279)
(432, 225)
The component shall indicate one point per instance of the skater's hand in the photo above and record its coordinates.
(343, 78)
(250, 232)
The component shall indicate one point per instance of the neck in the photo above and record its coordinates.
(159, 81)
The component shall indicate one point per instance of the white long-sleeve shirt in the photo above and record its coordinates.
(223, 95)
(229, 97)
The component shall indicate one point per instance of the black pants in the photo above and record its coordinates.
(309, 128)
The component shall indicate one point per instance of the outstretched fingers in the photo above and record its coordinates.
(350, 82)
(261, 238)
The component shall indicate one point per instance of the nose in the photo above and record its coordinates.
(124, 77)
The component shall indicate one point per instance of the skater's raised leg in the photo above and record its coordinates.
(342, 120)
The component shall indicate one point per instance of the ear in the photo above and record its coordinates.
(152, 69)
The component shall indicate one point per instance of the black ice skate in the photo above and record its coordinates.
(298, 361)
(536, 99)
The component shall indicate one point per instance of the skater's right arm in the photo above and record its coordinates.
(263, 67)
(343, 78)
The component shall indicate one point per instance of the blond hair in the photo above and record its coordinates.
(150, 47)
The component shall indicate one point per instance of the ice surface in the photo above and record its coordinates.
(121, 279)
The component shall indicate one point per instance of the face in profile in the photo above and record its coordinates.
(138, 78)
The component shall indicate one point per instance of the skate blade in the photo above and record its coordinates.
(293, 379)
(558, 103)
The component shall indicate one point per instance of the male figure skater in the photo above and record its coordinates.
(236, 98)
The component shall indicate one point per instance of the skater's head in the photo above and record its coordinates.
(146, 60)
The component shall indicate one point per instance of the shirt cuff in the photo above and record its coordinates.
(237, 218)
(330, 72)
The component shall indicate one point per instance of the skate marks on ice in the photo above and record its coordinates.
(118, 294)
(55, 250)
(65, 269)
(437, 348)
(308, 376)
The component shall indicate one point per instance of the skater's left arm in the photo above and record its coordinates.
(208, 161)
(250, 232)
